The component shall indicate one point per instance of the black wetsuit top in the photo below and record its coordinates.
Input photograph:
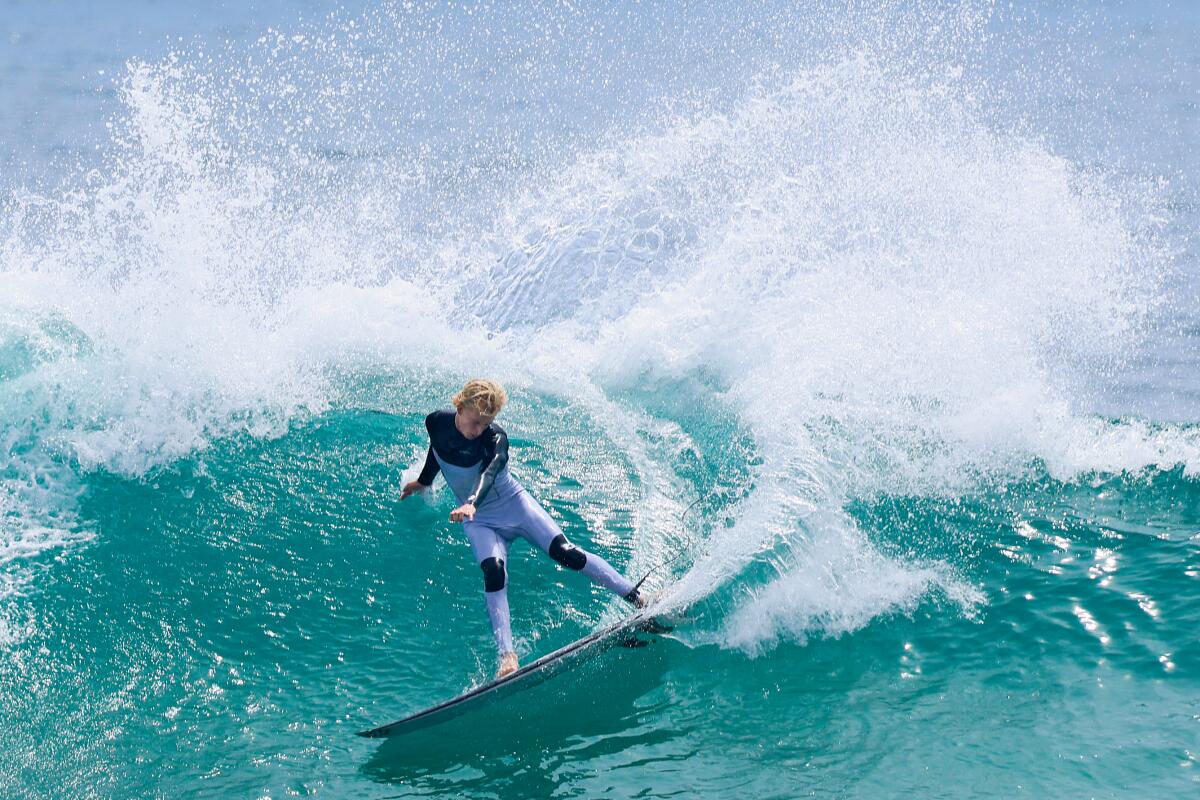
(489, 450)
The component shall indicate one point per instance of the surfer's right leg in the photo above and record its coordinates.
(539, 527)
(491, 552)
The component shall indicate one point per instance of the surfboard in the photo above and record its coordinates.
(631, 632)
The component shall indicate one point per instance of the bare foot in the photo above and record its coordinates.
(508, 665)
(643, 599)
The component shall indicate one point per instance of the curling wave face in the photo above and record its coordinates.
(888, 295)
(831, 292)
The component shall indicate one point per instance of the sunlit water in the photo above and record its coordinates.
(900, 302)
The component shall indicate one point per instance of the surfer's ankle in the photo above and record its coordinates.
(508, 664)
(640, 599)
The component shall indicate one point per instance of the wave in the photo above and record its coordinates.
(888, 294)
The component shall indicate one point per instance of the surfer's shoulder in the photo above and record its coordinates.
(438, 418)
(496, 434)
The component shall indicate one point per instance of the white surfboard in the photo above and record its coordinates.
(631, 631)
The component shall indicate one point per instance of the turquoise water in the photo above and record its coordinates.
(899, 302)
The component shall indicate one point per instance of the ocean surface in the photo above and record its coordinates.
(878, 322)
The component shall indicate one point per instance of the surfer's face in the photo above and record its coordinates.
(471, 423)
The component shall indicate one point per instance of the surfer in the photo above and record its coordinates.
(471, 451)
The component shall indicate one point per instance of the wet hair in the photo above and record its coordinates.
(486, 397)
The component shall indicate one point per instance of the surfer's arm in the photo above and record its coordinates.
(491, 467)
(430, 470)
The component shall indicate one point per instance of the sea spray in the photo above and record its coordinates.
(889, 294)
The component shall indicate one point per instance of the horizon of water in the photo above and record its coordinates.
(899, 299)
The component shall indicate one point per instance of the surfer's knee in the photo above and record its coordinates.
(566, 553)
(493, 574)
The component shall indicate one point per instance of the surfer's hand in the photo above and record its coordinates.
(465, 511)
(412, 487)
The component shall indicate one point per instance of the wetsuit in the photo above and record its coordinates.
(477, 471)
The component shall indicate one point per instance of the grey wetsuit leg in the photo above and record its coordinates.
(538, 527)
(486, 544)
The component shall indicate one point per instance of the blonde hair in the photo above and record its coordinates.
(486, 397)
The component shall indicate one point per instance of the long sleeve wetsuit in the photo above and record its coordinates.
(487, 452)
(477, 471)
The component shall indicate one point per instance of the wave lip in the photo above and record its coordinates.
(888, 294)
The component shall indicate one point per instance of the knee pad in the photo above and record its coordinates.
(566, 553)
(493, 574)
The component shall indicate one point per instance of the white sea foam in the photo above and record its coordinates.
(890, 295)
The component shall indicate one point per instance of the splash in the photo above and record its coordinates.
(890, 295)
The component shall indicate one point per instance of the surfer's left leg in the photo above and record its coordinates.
(540, 528)
(491, 552)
